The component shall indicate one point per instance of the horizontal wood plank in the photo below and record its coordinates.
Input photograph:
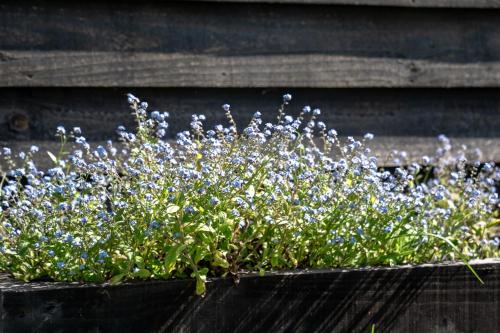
(398, 3)
(119, 69)
(34, 113)
(426, 298)
(187, 44)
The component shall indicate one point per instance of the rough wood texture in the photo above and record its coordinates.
(34, 113)
(397, 3)
(432, 298)
(112, 69)
(168, 44)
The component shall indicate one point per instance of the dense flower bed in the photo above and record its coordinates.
(218, 202)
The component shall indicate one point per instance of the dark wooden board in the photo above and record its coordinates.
(172, 44)
(34, 113)
(117, 69)
(401, 119)
(433, 298)
(397, 3)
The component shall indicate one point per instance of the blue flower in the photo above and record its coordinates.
(332, 132)
(132, 99)
(155, 115)
(60, 131)
(189, 209)
(214, 201)
(368, 136)
(236, 183)
(101, 152)
(103, 254)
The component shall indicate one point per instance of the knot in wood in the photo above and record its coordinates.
(19, 122)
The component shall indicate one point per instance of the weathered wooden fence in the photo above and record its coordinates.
(406, 70)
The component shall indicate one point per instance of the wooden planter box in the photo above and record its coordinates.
(427, 298)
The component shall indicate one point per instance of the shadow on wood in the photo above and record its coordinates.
(432, 298)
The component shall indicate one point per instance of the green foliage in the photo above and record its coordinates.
(218, 203)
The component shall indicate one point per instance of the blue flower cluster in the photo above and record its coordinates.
(220, 201)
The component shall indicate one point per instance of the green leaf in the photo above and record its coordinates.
(171, 257)
(461, 255)
(199, 253)
(203, 272)
(493, 223)
(221, 262)
(201, 279)
(117, 278)
(274, 260)
(225, 230)
(200, 286)
(172, 209)
(9, 251)
(139, 261)
(205, 228)
(251, 191)
(143, 273)
(52, 157)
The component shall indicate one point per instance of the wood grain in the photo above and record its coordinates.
(186, 44)
(401, 3)
(427, 298)
(34, 113)
(119, 69)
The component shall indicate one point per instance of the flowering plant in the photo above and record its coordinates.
(218, 202)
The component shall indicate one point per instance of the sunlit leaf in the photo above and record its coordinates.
(52, 157)
(172, 209)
